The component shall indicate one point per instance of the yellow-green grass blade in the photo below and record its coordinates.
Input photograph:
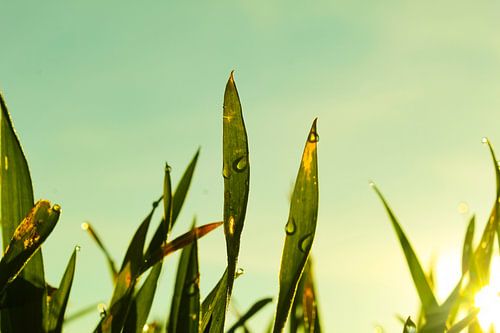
(75, 315)
(464, 323)
(256, 307)
(236, 174)
(27, 239)
(309, 301)
(468, 248)
(300, 229)
(86, 226)
(185, 309)
(27, 293)
(58, 301)
(409, 326)
(142, 302)
(215, 301)
(424, 290)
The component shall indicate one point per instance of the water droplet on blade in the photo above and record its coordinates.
(290, 226)
(313, 137)
(77, 248)
(101, 307)
(240, 164)
(84, 226)
(6, 163)
(226, 173)
(484, 140)
(239, 272)
(306, 242)
(193, 287)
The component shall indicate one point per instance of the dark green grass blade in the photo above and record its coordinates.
(86, 226)
(142, 302)
(425, 293)
(27, 293)
(256, 307)
(185, 308)
(58, 301)
(300, 228)
(236, 173)
(409, 326)
(215, 301)
(468, 249)
(27, 239)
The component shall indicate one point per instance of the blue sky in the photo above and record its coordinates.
(103, 94)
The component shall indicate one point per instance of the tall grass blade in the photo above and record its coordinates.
(27, 293)
(236, 173)
(256, 307)
(424, 290)
(185, 308)
(86, 226)
(300, 228)
(58, 301)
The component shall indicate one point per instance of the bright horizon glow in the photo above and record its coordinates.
(488, 299)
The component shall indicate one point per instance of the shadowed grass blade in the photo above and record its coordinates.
(86, 226)
(58, 301)
(422, 285)
(27, 239)
(215, 300)
(142, 302)
(409, 326)
(300, 228)
(256, 307)
(236, 174)
(185, 308)
(27, 293)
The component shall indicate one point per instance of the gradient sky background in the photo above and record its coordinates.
(104, 93)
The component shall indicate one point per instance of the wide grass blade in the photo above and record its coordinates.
(214, 302)
(299, 229)
(424, 290)
(86, 226)
(409, 326)
(185, 308)
(58, 301)
(142, 302)
(27, 293)
(256, 307)
(236, 173)
(27, 239)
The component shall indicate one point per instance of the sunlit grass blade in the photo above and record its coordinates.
(142, 302)
(185, 309)
(27, 239)
(58, 301)
(424, 290)
(409, 326)
(216, 299)
(468, 249)
(178, 243)
(16, 200)
(86, 226)
(236, 174)
(256, 307)
(300, 228)
(309, 301)
(464, 323)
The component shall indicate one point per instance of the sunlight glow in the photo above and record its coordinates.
(488, 299)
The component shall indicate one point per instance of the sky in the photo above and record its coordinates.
(102, 94)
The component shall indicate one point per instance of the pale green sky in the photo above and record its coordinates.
(103, 93)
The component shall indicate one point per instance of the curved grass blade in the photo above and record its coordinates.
(27, 239)
(216, 299)
(142, 302)
(464, 323)
(422, 285)
(409, 326)
(300, 228)
(58, 301)
(256, 307)
(27, 293)
(185, 308)
(86, 226)
(468, 250)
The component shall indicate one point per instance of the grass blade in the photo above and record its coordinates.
(256, 307)
(468, 249)
(27, 239)
(216, 299)
(185, 308)
(422, 285)
(300, 228)
(58, 301)
(464, 323)
(86, 226)
(16, 200)
(236, 173)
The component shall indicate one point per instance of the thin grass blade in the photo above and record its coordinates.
(300, 228)
(464, 323)
(58, 301)
(255, 308)
(468, 249)
(215, 300)
(86, 226)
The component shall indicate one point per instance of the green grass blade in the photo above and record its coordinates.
(142, 302)
(464, 323)
(236, 173)
(300, 228)
(309, 301)
(215, 300)
(185, 308)
(468, 249)
(58, 301)
(167, 203)
(86, 226)
(256, 307)
(27, 293)
(409, 326)
(27, 239)
(75, 315)
(422, 285)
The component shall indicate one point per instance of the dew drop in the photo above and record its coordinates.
(56, 208)
(484, 140)
(239, 272)
(6, 163)
(226, 173)
(372, 184)
(145, 328)
(77, 248)
(306, 242)
(101, 307)
(84, 226)
(168, 168)
(240, 164)
(290, 226)
(193, 316)
(484, 244)
(313, 137)
(193, 287)
(231, 225)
